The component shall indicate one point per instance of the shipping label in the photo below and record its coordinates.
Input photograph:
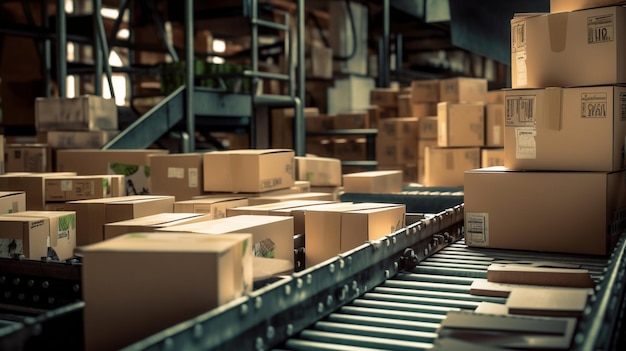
(477, 228)
(175, 172)
(525, 144)
(622, 106)
(520, 110)
(66, 185)
(518, 36)
(521, 70)
(600, 29)
(192, 174)
(593, 105)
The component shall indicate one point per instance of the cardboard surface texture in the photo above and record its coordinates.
(289, 197)
(463, 90)
(179, 175)
(373, 182)
(28, 158)
(460, 124)
(151, 223)
(446, 166)
(216, 207)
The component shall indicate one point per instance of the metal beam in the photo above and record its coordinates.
(61, 48)
(190, 72)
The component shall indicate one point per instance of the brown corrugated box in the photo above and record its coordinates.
(151, 223)
(391, 128)
(319, 123)
(267, 209)
(87, 112)
(61, 189)
(61, 229)
(573, 5)
(460, 124)
(24, 235)
(495, 97)
(463, 90)
(179, 175)
(282, 126)
(491, 157)
(352, 120)
(350, 149)
(298, 213)
(396, 151)
(426, 90)
(373, 182)
(12, 201)
(445, 166)
(423, 109)
(94, 162)
(31, 183)
(422, 144)
(427, 127)
(76, 139)
(494, 125)
(216, 207)
(384, 97)
(28, 158)
(319, 171)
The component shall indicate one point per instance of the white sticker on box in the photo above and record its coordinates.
(192, 174)
(622, 106)
(593, 105)
(520, 110)
(526, 147)
(175, 172)
(521, 71)
(66, 185)
(477, 228)
(600, 29)
(518, 32)
(497, 135)
(10, 247)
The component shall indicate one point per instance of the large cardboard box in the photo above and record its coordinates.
(119, 276)
(61, 189)
(91, 215)
(330, 232)
(352, 120)
(391, 151)
(578, 48)
(289, 197)
(460, 124)
(61, 229)
(490, 157)
(319, 171)
(33, 184)
(426, 90)
(179, 175)
(392, 128)
(26, 236)
(463, 90)
(517, 210)
(427, 127)
(76, 139)
(87, 112)
(445, 166)
(248, 170)
(272, 236)
(12, 201)
(28, 158)
(494, 125)
(576, 129)
(573, 5)
(151, 223)
(373, 182)
(216, 207)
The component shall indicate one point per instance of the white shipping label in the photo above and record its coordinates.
(192, 175)
(593, 105)
(477, 228)
(497, 135)
(622, 106)
(525, 145)
(66, 185)
(10, 247)
(521, 70)
(600, 29)
(520, 110)
(175, 172)
(518, 40)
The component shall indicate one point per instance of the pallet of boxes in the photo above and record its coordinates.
(563, 187)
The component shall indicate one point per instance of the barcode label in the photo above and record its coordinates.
(593, 105)
(525, 144)
(477, 228)
(600, 29)
(518, 33)
(622, 106)
(520, 110)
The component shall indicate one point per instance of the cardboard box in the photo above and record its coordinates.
(61, 231)
(298, 213)
(280, 198)
(134, 263)
(548, 302)
(320, 146)
(93, 214)
(423, 109)
(319, 123)
(12, 201)
(350, 149)
(494, 125)
(427, 127)
(26, 236)
(269, 208)
(573, 5)
(76, 139)
(272, 235)
(409, 171)
(491, 157)
(426, 90)
(248, 170)
(579, 48)
(495, 97)
(460, 124)
(384, 97)
(282, 126)
(87, 112)
(493, 220)
(405, 106)
(330, 232)
(396, 151)
(463, 90)
(28, 158)
(151, 223)
(542, 275)
(179, 175)
(422, 144)
(352, 120)
(319, 171)
(63, 189)
(373, 182)
(216, 207)
(393, 128)
(445, 166)
(576, 129)
(33, 184)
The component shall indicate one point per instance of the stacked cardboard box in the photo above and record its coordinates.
(397, 146)
(28, 158)
(33, 184)
(563, 147)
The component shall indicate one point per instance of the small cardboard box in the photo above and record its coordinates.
(28, 158)
(289, 197)
(216, 207)
(26, 236)
(460, 124)
(463, 90)
(272, 236)
(33, 184)
(426, 90)
(579, 48)
(319, 171)
(575, 129)
(61, 189)
(61, 231)
(427, 127)
(491, 157)
(373, 182)
(248, 170)
(445, 166)
(179, 175)
(384, 97)
(217, 269)
(493, 220)
(352, 120)
(394, 128)
(267, 209)
(396, 151)
(574, 5)
(330, 232)
(494, 125)
(12, 201)
(76, 139)
(151, 223)
(87, 112)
